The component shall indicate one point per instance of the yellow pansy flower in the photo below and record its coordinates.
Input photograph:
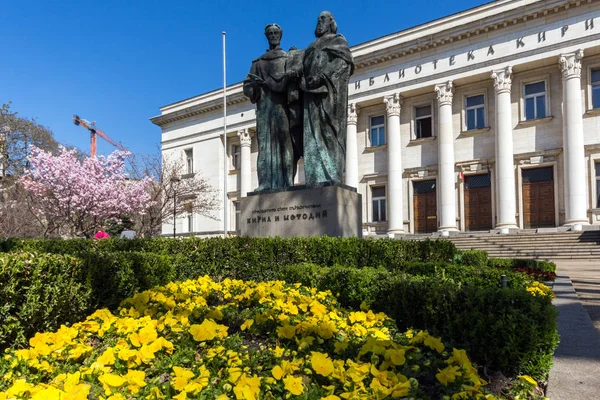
(434, 343)
(277, 372)
(293, 385)
(528, 379)
(321, 363)
(208, 330)
(286, 331)
(247, 324)
(447, 375)
(182, 377)
(247, 388)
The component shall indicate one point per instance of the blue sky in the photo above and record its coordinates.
(117, 62)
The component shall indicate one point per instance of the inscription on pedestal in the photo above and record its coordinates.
(291, 213)
(330, 210)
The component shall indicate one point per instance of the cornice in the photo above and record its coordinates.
(198, 109)
(401, 44)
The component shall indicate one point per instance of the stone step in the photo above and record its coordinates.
(542, 257)
(541, 251)
(557, 240)
(551, 247)
(528, 244)
(574, 238)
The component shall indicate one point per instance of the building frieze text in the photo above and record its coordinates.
(559, 32)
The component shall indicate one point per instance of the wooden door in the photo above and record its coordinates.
(478, 203)
(425, 206)
(538, 198)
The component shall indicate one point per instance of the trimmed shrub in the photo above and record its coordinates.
(319, 250)
(504, 329)
(39, 292)
(477, 258)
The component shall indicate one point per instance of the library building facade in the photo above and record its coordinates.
(488, 119)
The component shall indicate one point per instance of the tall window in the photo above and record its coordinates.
(475, 110)
(379, 207)
(236, 156)
(190, 223)
(189, 161)
(597, 165)
(238, 211)
(596, 88)
(535, 100)
(423, 122)
(377, 131)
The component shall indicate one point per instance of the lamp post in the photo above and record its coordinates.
(174, 180)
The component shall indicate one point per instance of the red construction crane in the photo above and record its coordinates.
(91, 126)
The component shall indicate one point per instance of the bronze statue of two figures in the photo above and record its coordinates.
(301, 102)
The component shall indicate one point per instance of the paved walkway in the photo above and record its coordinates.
(576, 371)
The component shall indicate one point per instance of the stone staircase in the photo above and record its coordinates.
(527, 244)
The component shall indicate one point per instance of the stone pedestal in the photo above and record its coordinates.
(303, 211)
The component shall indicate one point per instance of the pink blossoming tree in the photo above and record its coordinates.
(77, 197)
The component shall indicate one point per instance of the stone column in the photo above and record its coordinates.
(575, 184)
(394, 148)
(505, 171)
(351, 177)
(447, 176)
(246, 164)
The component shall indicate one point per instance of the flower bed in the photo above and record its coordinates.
(238, 340)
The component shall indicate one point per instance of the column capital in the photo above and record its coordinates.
(570, 64)
(502, 79)
(352, 114)
(445, 93)
(392, 104)
(245, 137)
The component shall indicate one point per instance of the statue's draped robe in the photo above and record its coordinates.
(266, 86)
(326, 108)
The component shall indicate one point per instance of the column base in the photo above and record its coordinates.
(395, 231)
(577, 221)
(507, 226)
(447, 229)
(577, 225)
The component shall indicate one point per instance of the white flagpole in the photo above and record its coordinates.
(225, 172)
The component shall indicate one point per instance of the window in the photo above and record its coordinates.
(423, 122)
(238, 211)
(377, 131)
(190, 223)
(535, 100)
(532, 175)
(379, 207)
(236, 156)
(597, 165)
(475, 112)
(596, 88)
(189, 161)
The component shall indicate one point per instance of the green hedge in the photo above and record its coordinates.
(478, 258)
(40, 292)
(504, 328)
(320, 250)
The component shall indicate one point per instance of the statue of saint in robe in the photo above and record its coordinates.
(327, 67)
(268, 86)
